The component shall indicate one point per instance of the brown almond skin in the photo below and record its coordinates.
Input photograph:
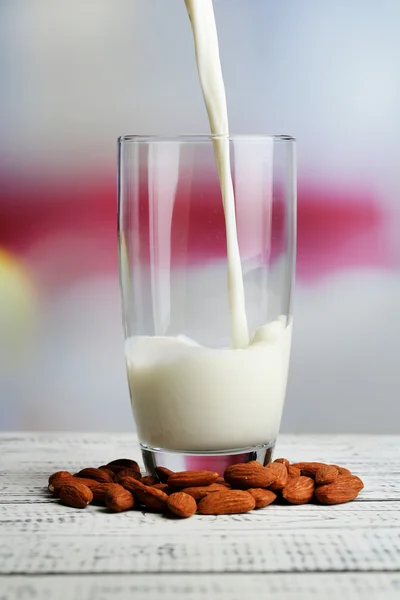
(308, 469)
(152, 498)
(118, 499)
(149, 480)
(131, 484)
(163, 473)
(281, 476)
(123, 463)
(299, 490)
(184, 479)
(221, 481)
(164, 487)
(326, 474)
(344, 489)
(284, 461)
(342, 470)
(181, 505)
(60, 475)
(293, 472)
(249, 475)
(77, 495)
(100, 491)
(57, 484)
(227, 502)
(262, 497)
(355, 481)
(90, 483)
(97, 474)
(117, 468)
(108, 471)
(202, 491)
(127, 473)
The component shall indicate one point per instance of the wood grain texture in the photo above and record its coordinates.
(326, 586)
(51, 551)
(273, 552)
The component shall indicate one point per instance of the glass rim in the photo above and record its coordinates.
(204, 137)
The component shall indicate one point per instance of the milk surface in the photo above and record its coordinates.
(188, 397)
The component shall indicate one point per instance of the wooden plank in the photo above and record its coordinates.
(53, 518)
(207, 552)
(329, 586)
(40, 536)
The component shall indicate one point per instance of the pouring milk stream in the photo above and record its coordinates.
(201, 16)
(184, 395)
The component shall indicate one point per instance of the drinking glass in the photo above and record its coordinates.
(197, 401)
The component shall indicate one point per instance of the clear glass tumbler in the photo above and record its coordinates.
(197, 401)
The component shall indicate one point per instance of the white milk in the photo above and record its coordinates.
(201, 14)
(189, 397)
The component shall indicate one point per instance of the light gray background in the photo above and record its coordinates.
(78, 74)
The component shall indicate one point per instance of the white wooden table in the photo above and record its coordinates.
(51, 551)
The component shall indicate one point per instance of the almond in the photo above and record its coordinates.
(326, 474)
(262, 497)
(181, 504)
(152, 498)
(299, 490)
(131, 484)
(227, 502)
(221, 481)
(149, 480)
(184, 479)
(342, 470)
(100, 491)
(281, 475)
(355, 481)
(284, 461)
(118, 499)
(164, 487)
(123, 463)
(90, 483)
(202, 491)
(76, 494)
(127, 473)
(308, 469)
(343, 489)
(249, 475)
(108, 471)
(57, 484)
(60, 475)
(96, 474)
(163, 473)
(293, 471)
(122, 483)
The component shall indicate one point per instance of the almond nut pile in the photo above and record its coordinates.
(120, 486)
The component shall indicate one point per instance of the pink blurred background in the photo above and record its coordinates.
(76, 75)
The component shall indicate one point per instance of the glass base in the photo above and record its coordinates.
(211, 461)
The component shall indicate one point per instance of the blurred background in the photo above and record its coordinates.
(75, 75)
